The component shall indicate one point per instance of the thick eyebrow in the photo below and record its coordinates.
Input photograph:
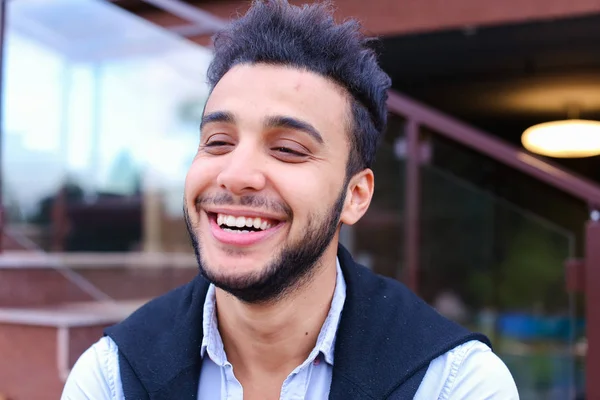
(295, 124)
(217, 116)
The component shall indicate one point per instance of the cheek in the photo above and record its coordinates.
(200, 175)
(309, 195)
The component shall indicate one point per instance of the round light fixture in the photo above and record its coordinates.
(572, 138)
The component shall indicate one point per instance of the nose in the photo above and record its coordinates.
(242, 173)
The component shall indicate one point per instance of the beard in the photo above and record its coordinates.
(288, 270)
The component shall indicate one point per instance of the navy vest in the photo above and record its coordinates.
(386, 339)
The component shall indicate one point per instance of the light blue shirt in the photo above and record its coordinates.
(310, 380)
(468, 372)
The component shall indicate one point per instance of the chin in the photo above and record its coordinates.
(241, 281)
(232, 262)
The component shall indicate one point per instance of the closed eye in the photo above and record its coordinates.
(217, 147)
(289, 155)
(217, 143)
(287, 150)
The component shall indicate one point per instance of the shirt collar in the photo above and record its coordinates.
(212, 343)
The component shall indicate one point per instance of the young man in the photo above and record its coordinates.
(279, 309)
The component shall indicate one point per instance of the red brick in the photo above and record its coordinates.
(28, 369)
(122, 283)
(38, 287)
(80, 339)
(31, 287)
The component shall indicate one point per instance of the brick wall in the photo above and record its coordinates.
(28, 359)
(137, 282)
(40, 287)
(36, 287)
(8, 243)
(28, 369)
(80, 339)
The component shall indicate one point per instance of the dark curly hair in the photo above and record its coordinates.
(275, 32)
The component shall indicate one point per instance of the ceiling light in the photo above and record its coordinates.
(572, 138)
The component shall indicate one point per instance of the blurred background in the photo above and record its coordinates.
(497, 229)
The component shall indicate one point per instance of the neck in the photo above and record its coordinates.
(275, 338)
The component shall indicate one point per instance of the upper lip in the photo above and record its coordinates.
(236, 212)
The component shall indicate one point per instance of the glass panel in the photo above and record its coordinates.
(486, 263)
(378, 236)
(103, 108)
(499, 269)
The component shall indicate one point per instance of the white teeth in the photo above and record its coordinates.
(241, 222)
(229, 220)
(235, 230)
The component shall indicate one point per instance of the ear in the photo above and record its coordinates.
(358, 197)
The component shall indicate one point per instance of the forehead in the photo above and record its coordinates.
(252, 92)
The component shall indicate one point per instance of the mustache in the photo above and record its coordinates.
(253, 201)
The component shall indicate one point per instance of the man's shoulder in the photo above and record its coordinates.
(401, 310)
(95, 375)
(389, 306)
(470, 370)
(162, 311)
(462, 362)
(391, 297)
(161, 340)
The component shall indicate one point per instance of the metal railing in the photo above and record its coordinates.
(418, 115)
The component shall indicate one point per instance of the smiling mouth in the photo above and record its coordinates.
(241, 224)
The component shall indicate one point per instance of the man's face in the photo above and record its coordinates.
(264, 194)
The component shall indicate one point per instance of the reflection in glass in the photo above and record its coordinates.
(101, 107)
